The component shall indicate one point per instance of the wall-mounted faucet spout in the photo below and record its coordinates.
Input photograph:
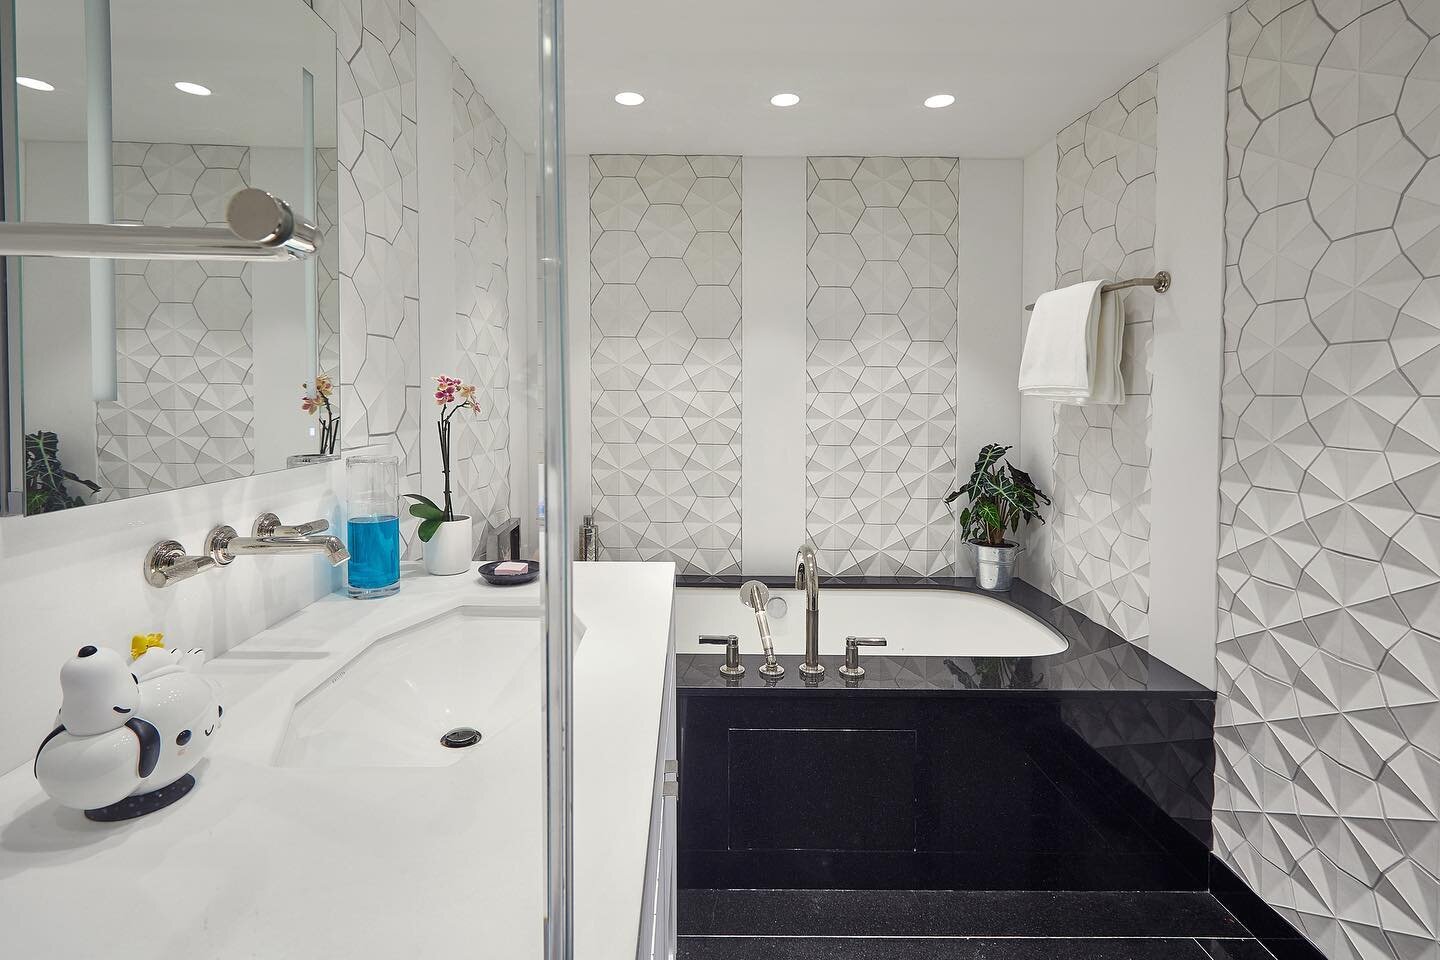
(224, 544)
(807, 578)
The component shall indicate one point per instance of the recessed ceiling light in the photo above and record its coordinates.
(194, 89)
(34, 84)
(785, 99)
(629, 99)
(939, 100)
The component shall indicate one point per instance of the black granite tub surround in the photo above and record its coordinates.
(1095, 660)
(932, 792)
(1088, 769)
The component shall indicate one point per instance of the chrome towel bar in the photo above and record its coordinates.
(260, 227)
(1161, 283)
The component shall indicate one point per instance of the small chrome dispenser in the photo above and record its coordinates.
(756, 595)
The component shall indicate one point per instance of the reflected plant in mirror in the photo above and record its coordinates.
(48, 485)
(318, 402)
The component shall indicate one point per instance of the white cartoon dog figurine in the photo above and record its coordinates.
(125, 742)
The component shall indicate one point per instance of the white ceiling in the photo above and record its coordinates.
(1019, 69)
(249, 54)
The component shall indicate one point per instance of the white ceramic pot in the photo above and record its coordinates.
(451, 550)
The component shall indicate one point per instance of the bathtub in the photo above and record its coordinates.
(916, 622)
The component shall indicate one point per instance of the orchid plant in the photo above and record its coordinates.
(317, 402)
(451, 395)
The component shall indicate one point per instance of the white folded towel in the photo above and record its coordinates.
(1072, 351)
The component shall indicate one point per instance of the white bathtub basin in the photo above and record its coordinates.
(390, 704)
(915, 622)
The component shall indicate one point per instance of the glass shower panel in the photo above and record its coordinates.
(382, 777)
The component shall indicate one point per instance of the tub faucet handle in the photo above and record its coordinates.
(851, 670)
(732, 668)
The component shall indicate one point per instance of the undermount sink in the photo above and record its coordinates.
(395, 700)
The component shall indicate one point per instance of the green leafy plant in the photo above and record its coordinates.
(46, 477)
(451, 396)
(1002, 498)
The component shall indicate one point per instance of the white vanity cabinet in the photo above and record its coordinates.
(658, 921)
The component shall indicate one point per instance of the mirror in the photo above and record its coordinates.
(141, 376)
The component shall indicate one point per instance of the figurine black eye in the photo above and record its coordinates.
(136, 679)
(221, 709)
(183, 738)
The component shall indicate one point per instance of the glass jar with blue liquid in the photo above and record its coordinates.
(372, 487)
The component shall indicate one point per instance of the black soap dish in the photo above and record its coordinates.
(487, 572)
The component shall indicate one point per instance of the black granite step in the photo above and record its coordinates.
(958, 913)
(967, 948)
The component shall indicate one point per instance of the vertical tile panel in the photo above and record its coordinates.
(665, 358)
(880, 368)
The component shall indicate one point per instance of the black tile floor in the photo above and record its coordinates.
(959, 925)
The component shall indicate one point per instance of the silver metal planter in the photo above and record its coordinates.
(994, 566)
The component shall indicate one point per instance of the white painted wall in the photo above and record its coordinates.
(1037, 417)
(991, 309)
(772, 485)
(1189, 343)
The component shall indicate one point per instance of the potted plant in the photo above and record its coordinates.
(1002, 500)
(447, 538)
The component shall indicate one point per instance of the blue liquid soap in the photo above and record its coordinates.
(374, 544)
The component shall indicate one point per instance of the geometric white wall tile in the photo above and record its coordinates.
(1097, 540)
(180, 329)
(482, 323)
(665, 359)
(882, 264)
(1329, 689)
(376, 255)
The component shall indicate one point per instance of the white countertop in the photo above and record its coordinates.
(279, 862)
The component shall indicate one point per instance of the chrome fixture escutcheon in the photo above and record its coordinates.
(167, 563)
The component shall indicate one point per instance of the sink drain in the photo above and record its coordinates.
(460, 737)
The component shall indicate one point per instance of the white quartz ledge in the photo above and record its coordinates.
(418, 862)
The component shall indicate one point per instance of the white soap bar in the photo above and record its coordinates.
(510, 567)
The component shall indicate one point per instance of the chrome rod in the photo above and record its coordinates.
(1161, 283)
(260, 227)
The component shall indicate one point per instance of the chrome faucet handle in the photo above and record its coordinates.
(732, 667)
(268, 526)
(851, 669)
(756, 596)
(167, 563)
